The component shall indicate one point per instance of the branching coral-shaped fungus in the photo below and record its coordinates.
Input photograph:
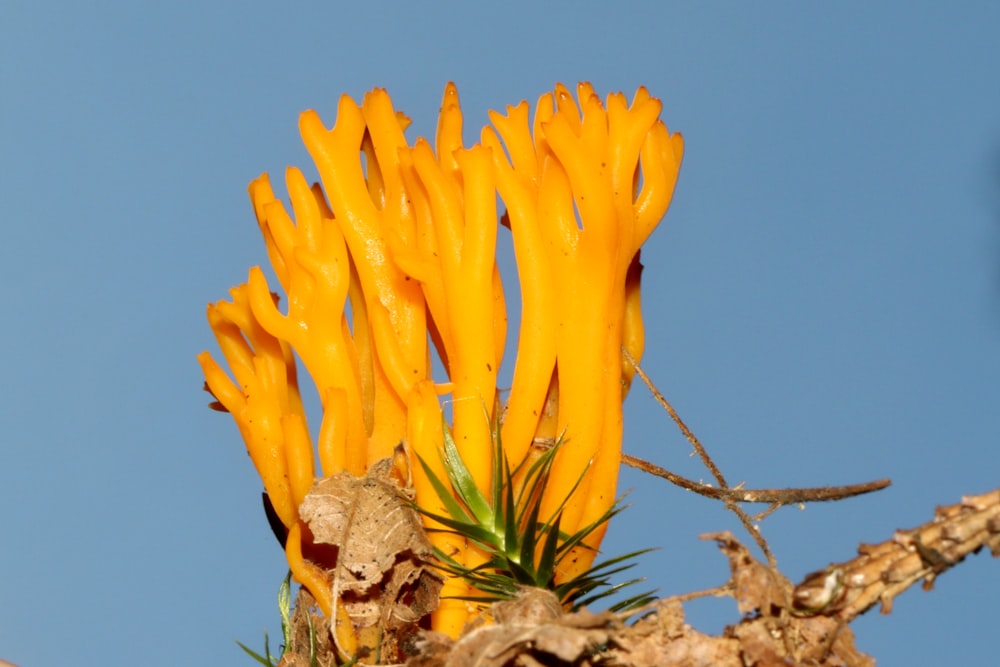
(394, 257)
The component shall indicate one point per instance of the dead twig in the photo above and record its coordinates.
(732, 495)
(707, 460)
(779, 497)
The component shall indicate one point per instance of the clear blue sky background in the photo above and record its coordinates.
(823, 298)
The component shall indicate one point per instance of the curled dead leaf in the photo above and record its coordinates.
(381, 577)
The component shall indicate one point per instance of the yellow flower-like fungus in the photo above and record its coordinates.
(396, 254)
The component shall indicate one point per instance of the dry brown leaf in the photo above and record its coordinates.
(381, 578)
(369, 519)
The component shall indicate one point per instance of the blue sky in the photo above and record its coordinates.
(822, 299)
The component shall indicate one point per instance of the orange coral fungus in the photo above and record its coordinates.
(394, 257)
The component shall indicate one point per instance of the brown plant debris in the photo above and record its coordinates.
(381, 578)
(882, 571)
(310, 643)
(768, 635)
(531, 631)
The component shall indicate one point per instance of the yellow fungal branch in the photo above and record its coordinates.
(577, 223)
(393, 258)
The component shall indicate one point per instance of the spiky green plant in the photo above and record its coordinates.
(522, 548)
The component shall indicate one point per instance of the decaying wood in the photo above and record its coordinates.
(882, 571)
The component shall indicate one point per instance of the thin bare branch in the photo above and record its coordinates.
(789, 496)
(705, 458)
(732, 496)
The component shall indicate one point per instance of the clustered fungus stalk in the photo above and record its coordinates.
(393, 258)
